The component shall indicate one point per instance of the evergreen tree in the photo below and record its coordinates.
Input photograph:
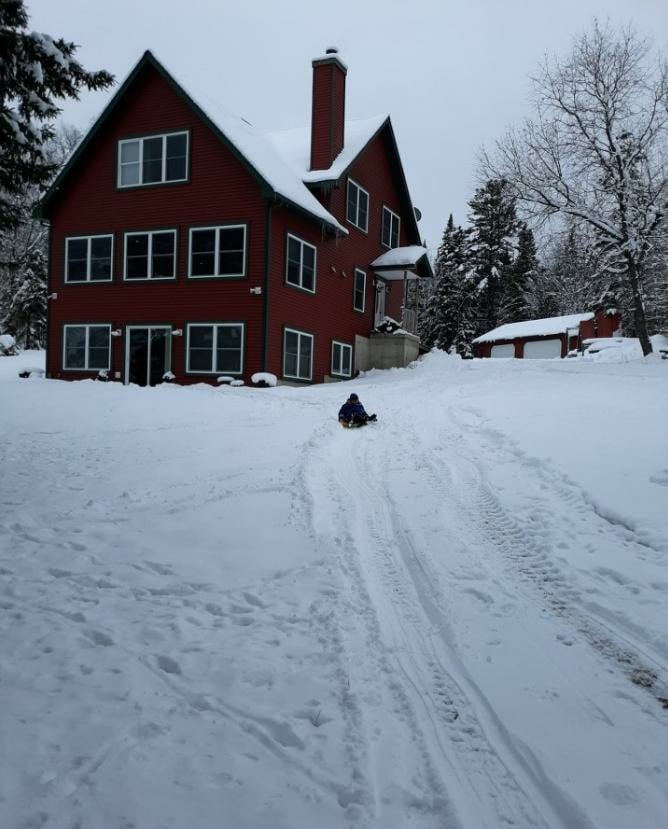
(26, 316)
(449, 313)
(36, 70)
(514, 300)
(20, 244)
(493, 229)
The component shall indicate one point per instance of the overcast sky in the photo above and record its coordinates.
(453, 74)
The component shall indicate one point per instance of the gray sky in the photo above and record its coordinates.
(453, 74)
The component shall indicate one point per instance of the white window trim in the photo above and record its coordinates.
(382, 224)
(141, 140)
(355, 308)
(356, 223)
(150, 234)
(214, 348)
(301, 264)
(88, 239)
(300, 334)
(87, 326)
(217, 228)
(341, 345)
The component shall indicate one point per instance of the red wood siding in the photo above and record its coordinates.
(220, 190)
(329, 313)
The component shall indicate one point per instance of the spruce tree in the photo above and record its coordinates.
(514, 304)
(26, 316)
(450, 310)
(36, 71)
(493, 229)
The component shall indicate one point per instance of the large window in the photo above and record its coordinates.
(342, 359)
(88, 258)
(300, 264)
(297, 354)
(390, 233)
(218, 251)
(150, 255)
(357, 211)
(359, 290)
(156, 159)
(215, 348)
(87, 347)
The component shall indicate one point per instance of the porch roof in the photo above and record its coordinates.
(400, 263)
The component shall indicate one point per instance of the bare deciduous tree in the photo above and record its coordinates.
(597, 151)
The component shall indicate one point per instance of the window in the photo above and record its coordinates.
(156, 159)
(300, 264)
(342, 358)
(359, 290)
(218, 251)
(87, 347)
(150, 255)
(297, 354)
(390, 234)
(357, 211)
(88, 258)
(215, 348)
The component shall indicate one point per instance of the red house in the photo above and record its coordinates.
(546, 338)
(185, 244)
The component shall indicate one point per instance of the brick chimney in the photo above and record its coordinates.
(328, 109)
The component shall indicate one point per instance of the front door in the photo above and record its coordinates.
(380, 303)
(148, 354)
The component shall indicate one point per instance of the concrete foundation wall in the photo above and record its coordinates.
(392, 350)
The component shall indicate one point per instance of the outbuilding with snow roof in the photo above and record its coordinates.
(549, 338)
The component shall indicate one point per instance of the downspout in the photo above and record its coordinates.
(49, 301)
(265, 287)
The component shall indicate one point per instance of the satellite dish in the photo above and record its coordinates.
(418, 213)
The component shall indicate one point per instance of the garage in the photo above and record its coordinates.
(542, 349)
(505, 350)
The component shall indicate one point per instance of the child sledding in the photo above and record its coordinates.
(352, 414)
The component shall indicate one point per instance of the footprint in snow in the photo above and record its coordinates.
(661, 479)
(618, 793)
(97, 637)
(168, 665)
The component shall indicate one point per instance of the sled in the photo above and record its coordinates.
(352, 425)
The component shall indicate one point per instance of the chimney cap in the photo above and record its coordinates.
(331, 55)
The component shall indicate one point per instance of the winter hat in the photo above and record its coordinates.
(353, 396)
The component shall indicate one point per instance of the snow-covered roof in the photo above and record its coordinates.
(251, 143)
(263, 156)
(406, 257)
(294, 146)
(534, 328)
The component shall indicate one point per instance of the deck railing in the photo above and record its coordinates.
(409, 320)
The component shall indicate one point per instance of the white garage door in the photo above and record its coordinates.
(507, 350)
(542, 349)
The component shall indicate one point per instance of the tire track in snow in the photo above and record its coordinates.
(523, 546)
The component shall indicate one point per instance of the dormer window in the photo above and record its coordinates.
(155, 159)
(357, 211)
(390, 232)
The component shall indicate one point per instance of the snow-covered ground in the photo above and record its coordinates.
(219, 609)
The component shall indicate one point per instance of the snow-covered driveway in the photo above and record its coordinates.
(217, 608)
